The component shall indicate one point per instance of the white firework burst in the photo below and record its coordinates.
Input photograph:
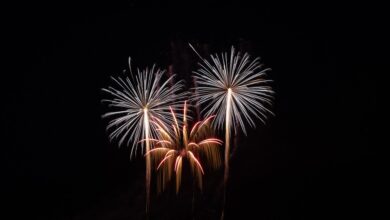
(233, 87)
(136, 100)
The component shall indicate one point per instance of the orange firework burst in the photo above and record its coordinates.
(175, 144)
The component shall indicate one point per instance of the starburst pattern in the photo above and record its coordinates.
(235, 80)
(184, 143)
(137, 99)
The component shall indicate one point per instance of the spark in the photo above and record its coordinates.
(148, 165)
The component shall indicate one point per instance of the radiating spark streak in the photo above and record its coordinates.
(160, 123)
(175, 130)
(175, 120)
(210, 141)
(177, 162)
(206, 121)
(156, 149)
(150, 139)
(162, 161)
(194, 127)
(169, 152)
(161, 130)
(164, 142)
(178, 173)
(193, 144)
(185, 113)
(148, 165)
(196, 161)
(227, 133)
(185, 137)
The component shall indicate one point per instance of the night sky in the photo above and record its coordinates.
(315, 159)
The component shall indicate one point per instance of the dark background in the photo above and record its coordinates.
(316, 159)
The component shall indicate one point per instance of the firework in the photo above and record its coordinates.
(176, 143)
(232, 87)
(134, 101)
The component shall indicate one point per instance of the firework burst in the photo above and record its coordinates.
(172, 147)
(134, 101)
(232, 87)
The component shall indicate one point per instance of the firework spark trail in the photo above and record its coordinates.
(234, 89)
(172, 147)
(227, 144)
(148, 165)
(135, 101)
